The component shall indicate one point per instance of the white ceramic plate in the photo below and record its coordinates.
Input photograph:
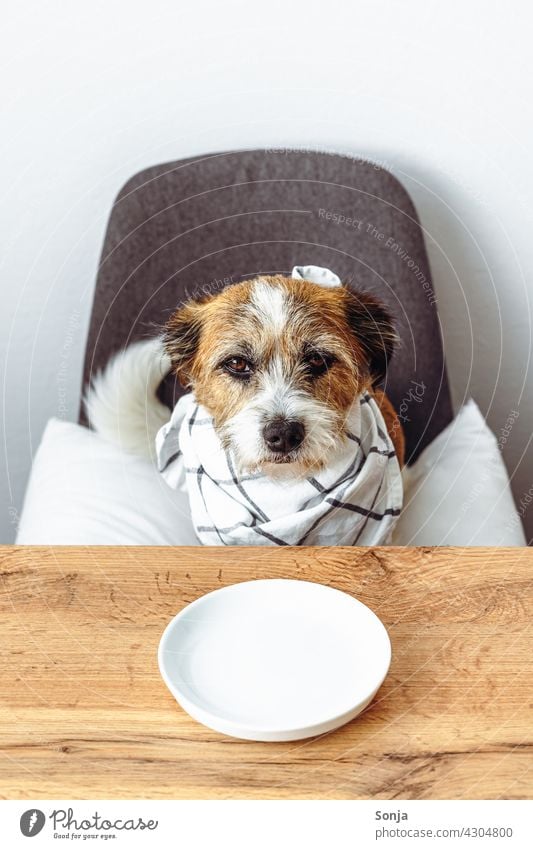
(274, 659)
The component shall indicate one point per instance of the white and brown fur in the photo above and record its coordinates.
(274, 353)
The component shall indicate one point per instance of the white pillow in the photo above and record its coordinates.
(458, 491)
(86, 491)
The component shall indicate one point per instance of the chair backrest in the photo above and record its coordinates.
(199, 224)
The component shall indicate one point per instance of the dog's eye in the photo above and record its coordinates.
(238, 367)
(318, 363)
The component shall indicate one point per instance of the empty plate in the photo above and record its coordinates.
(274, 659)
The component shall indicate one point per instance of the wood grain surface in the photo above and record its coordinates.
(85, 714)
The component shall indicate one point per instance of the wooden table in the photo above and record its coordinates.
(85, 714)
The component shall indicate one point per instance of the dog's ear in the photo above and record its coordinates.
(373, 328)
(181, 336)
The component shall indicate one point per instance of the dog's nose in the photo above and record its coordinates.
(283, 436)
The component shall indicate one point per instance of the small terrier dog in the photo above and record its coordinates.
(277, 362)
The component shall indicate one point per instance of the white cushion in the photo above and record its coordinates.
(85, 491)
(458, 491)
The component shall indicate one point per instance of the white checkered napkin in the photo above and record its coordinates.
(353, 501)
(316, 274)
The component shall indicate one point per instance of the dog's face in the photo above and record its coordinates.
(278, 362)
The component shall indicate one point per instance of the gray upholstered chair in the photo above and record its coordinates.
(199, 224)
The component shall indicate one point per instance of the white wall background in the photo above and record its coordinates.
(94, 91)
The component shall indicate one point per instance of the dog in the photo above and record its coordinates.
(277, 362)
(284, 372)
